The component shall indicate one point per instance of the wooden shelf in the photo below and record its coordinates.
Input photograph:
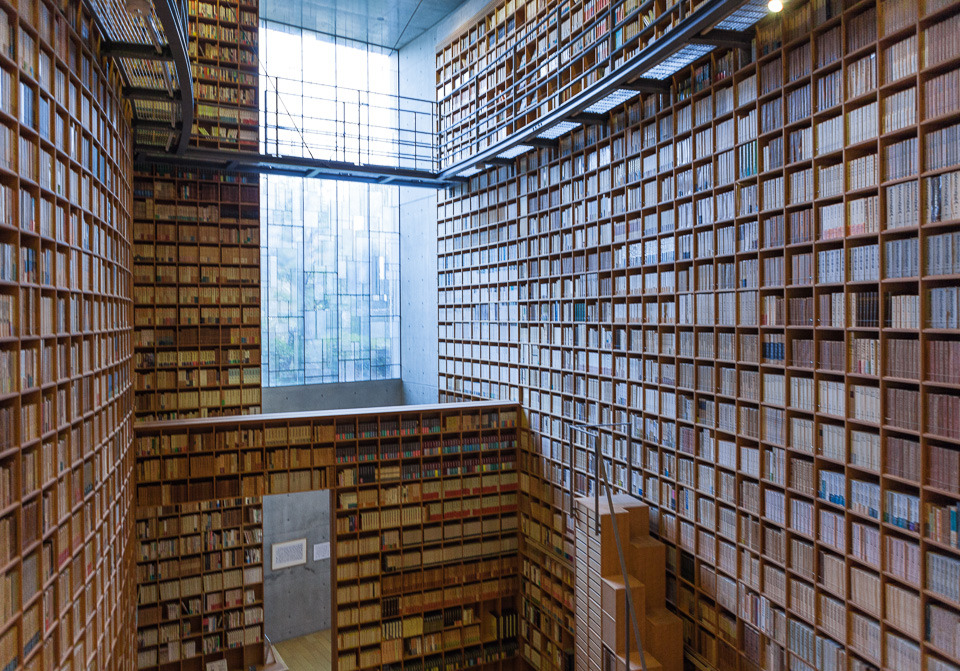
(200, 583)
(196, 257)
(518, 60)
(725, 268)
(65, 318)
(224, 35)
(197, 290)
(425, 523)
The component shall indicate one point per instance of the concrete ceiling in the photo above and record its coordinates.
(386, 23)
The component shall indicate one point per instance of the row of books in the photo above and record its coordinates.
(944, 308)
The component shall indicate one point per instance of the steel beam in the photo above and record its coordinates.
(588, 119)
(728, 39)
(644, 85)
(145, 52)
(542, 142)
(254, 163)
(157, 95)
(174, 22)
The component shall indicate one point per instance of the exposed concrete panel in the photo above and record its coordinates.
(296, 600)
(418, 224)
(337, 395)
(418, 295)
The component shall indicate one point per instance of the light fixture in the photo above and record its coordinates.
(677, 61)
(775, 5)
(556, 131)
(613, 99)
(744, 17)
(514, 151)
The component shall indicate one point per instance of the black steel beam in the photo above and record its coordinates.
(727, 39)
(153, 125)
(146, 52)
(644, 85)
(542, 142)
(588, 119)
(253, 163)
(157, 95)
(689, 28)
(174, 21)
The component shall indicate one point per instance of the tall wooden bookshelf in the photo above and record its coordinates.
(66, 591)
(425, 558)
(426, 533)
(223, 53)
(197, 242)
(753, 274)
(200, 584)
(197, 288)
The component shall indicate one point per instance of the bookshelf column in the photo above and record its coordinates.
(757, 273)
(425, 533)
(197, 241)
(66, 586)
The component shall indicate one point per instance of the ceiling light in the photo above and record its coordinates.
(746, 16)
(775, 5)
(515, 151)
(675, 62)
(612, 99)
(561, 128)
(470, 172)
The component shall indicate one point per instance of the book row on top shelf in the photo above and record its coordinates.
(223, 55)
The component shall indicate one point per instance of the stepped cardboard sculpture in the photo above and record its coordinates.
(601, 593)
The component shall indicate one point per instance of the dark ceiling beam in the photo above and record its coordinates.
(143, 52)
(725, 39)
(643, 85)
(542, 142)
(157, 95)
(141, 124)
(588, 119)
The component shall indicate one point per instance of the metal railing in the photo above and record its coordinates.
(602, 478)
(464, 148)
(334, 123)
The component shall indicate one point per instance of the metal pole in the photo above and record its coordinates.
(573, 450)
(631, 619)
(596, 482)
(623, 569)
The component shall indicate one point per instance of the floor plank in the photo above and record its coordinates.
(307, 653)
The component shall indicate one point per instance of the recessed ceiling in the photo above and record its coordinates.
(386, 23)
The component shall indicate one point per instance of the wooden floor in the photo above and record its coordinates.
(307, 653)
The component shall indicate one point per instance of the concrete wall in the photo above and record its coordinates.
(338, 395)
(418, 225)
(418, 295)
(418, 249)
(296, 600)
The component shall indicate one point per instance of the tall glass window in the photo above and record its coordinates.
(330, 250)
